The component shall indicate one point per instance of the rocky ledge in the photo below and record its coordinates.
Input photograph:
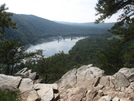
(89, 83)
(86, 83)
(29, 86)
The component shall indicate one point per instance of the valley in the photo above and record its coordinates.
(31, 29)
(61, 45)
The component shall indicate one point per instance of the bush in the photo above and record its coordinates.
(8, 96)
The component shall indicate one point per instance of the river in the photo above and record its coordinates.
(55, 46)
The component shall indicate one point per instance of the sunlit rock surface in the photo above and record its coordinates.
(89, 83)
(86, 83)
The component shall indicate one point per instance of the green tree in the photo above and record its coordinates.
(12, 53)
(5, 20)
(125, 21)
(123, 28)
(111, 60)
(129, 56)
(125, 32)
(106, 8)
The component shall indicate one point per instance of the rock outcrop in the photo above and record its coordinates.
(89, 83)
(86, 83)
(28, 84)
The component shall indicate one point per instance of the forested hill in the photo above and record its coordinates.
(32, 28)
(89, 24)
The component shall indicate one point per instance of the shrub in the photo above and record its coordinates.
(8, 96)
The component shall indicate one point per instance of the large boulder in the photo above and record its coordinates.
(9, 83)
(26, 83)
(45, 91)
(89, 83)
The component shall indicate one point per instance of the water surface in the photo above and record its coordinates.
(55, 46)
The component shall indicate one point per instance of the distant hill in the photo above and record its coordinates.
(32, 28)
(88, 24)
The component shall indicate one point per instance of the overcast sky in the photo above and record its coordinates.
(59, 10)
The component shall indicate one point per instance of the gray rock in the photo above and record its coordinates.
(86, 83)
(95, 85)
(131, 78)
(33, 96)
(9, 88)
(115, 99)
(121, 80)
(104, 80)
(9, 81)
(105, 98)
(33, 76)
(39, 86)
(25, 73)
(26, 85)
(127, 71)
(46, 93)
(92, 93)
(68, 80)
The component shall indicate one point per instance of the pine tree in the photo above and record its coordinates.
(107, 8)
(5, 20)
(11, 51)
(124, 27)
(125, 22)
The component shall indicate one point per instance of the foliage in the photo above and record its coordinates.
(125, 31)
(52, 68)
(11, 54)
(9, 96)
(84, 52)
(102, 52)
(106, 8)
(38, 28)
(129, 56)
(123, 28)
(5, 20)
(92, 50)
(11, 51)
(111, 60)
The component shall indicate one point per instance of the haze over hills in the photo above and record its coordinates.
(89, 24)
(32, 28)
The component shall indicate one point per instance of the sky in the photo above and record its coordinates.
(79, 11)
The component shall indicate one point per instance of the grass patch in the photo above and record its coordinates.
(9, 96)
